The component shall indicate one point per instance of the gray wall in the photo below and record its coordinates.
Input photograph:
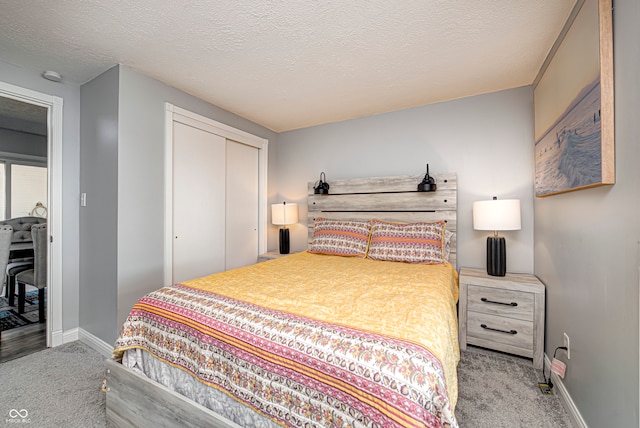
(587, 253)
(138, 224)
(23, 143)
(486, 140)
(70, 93)
(98, 220)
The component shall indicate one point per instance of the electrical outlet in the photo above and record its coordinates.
(545, 388)
(567, 345)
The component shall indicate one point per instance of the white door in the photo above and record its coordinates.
(242, 205)
(198, 202)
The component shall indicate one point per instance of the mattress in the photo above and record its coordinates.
(307, 339)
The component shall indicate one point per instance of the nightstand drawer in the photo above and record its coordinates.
(496, 329)
(511, 308)
(506, 303)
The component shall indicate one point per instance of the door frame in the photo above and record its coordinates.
(177, 114)
(54, 106)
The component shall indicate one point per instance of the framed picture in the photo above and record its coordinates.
(573, 98)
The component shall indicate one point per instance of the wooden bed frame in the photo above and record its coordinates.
(388, 198)
(135, 400)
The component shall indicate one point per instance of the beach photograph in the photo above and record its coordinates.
(569, 154)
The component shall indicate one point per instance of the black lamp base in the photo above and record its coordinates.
(284, 241)
(496, 256)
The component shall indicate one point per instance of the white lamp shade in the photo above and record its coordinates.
(283, 214)
(497, 215)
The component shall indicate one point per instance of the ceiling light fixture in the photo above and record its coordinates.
(52, 75)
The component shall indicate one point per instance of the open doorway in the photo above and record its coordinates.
(54, 304)
(24, 202)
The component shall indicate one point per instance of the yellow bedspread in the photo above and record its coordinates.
(412, 302)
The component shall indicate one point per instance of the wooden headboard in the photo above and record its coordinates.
(388, 198)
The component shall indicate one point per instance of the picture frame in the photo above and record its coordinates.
(574, 105)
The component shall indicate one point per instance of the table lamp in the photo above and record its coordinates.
(282, 215)
(496, 215)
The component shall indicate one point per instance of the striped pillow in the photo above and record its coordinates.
(340, 237)
(407, 242)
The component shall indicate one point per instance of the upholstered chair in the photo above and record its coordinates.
(36, 277)
(6, 232)
(21, 255)
(14, 267)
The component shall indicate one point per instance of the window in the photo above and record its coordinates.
(23, 187)
(28, 188)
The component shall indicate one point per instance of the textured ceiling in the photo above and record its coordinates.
(289, 64)
(23, 117)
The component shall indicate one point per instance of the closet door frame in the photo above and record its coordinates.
(177, 114)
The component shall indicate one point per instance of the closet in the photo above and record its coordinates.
(217, 197)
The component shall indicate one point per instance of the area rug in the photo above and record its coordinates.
(9, 316)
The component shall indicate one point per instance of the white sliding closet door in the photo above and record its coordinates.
(198, 202)
(242, 205)
(215, 196)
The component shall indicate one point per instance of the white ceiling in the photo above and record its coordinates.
(289, 64)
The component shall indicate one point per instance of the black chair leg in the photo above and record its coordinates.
(12, 290)
(21, 293)
(41, 305)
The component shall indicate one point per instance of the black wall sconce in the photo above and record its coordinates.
(428, 183)
(322, 188)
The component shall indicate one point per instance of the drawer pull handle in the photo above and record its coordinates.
(498, 330)
(484, 299)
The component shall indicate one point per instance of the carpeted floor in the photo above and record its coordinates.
(60, 387)
(499, 390)
(57, 387)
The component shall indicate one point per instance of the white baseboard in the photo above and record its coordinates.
(57, 338)
(70, 335)
(565, 398)
(60, 337)
(96, 343)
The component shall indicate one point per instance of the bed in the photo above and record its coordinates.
(319, 338)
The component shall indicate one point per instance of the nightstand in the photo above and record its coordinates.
(504, 313)
(271, 255)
